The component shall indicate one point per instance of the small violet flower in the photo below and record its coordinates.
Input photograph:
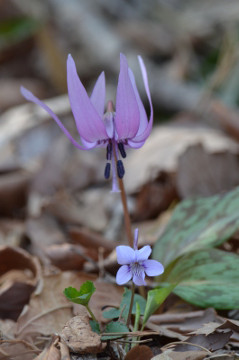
(127, 126)
(135, 263)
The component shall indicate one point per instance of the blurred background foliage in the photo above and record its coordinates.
(189, 47)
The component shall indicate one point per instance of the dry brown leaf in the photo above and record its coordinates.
(7, 329)
(184, 355)
(48, 309)
(69, 256)
(13, 192)
(161, 151)
(78, 335)
(90, 239)
(65, 353)
(228, 324)
(220, 172)
(17, 350)
(212, 342)
(206, 329)
(11, 232)
(51, 351)
(87, 212)
(19, 275)
(186, 322)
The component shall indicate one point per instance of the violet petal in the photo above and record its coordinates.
(136, 236)
(89, 124)
(30, 97)
(123, 275)
(125, 255)
(143, 253)
(153, 267)
(138, 278)
(127, 117)
(98, 95)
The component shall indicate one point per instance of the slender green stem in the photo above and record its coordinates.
(127, 220)
(91, 313)
(131, 304)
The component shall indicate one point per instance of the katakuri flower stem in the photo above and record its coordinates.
(127, 220)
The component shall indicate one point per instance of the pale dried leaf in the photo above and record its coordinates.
(78, 335)
(164, 146)
(49, 310)
(19, 275)
(185, 355)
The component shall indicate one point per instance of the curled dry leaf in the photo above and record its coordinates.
(51, 352)
(48, 309)
(19, 275)
(79, 337)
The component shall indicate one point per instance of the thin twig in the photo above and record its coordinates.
(187, 343)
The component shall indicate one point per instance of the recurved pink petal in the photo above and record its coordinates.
(127, 117)
(123, 275)
(143, 116)
(125, 254)
(30, 97)
(142, 136)
(88, 121)
(98, 95)
(153, 267)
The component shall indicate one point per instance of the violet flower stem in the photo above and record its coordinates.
(127, 220)
(131, 304)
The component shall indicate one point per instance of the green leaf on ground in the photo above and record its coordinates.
(81, 296)
(124, 306)
(95, 326)
(155, 298)
(208, 278)
(114, 327)
(197, 224)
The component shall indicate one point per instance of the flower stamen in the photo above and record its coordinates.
(122, 149)
(107, 170)
(120, 169)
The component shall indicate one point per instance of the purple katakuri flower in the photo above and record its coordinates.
(135, 263)
(128, 126)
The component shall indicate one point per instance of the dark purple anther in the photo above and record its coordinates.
(120, 169)
(109, 151)
(107, 171)
(122, 150)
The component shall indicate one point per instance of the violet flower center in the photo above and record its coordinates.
(136, 268)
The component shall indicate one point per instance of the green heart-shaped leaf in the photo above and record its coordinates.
(81, 296)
